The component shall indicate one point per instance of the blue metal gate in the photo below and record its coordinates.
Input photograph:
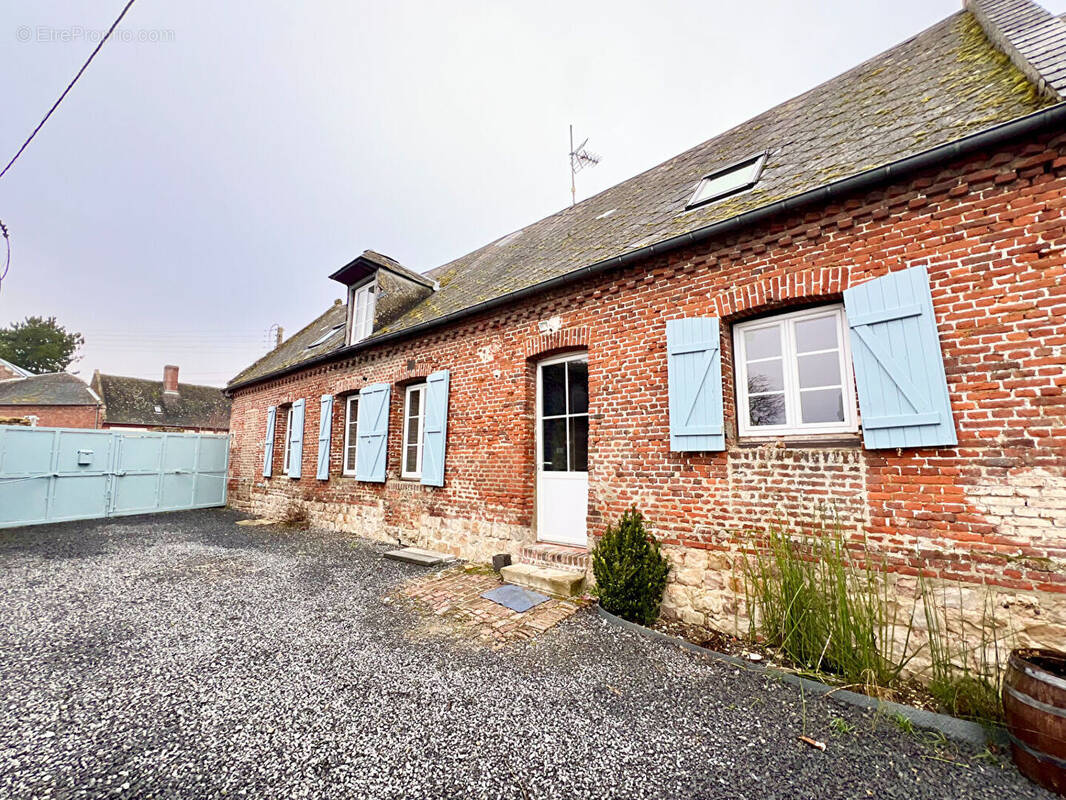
(59, 474)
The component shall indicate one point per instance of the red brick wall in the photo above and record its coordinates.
(54, 416)
(992, 233)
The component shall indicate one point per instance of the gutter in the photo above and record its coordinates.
(1048, 118)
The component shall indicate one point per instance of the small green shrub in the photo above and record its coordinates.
(630, 570)
(826, 609)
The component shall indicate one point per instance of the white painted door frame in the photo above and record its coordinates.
(561, 496)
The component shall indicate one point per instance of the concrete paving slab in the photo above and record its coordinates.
(416, 555)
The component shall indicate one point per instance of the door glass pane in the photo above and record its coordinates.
(553, 434)
(822, 369)
(816, 334)
(822, 405)
(767, 409)
(762, 343)
(766, 376)
(553, 384)
(579, 444)
(579, 386)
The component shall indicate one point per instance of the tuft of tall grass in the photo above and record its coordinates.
(966, 679)
(828, 609)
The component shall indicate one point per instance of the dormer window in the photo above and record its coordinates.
(361, 301)
(380, 291)
(738, 177)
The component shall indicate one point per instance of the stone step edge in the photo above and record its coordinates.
(556, 582)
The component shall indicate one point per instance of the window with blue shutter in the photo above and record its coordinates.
(325, 431)
(435, 428)
(296, 439)
(373, 432)
(899, 369)
(694, 374)
(268, 444)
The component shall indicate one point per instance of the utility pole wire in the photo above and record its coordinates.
(69, 87)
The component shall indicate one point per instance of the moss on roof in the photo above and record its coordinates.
(133, 401)
(50, 389)
(943, 84)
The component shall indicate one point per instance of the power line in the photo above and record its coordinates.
(67, 90)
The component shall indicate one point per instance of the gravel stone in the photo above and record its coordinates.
(180, 655)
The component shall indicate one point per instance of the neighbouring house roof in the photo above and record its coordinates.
(50, 389)
(133, 401)
(944, 84)
(9, 370)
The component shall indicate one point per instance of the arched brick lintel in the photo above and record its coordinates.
(576, 338)
(775, 291)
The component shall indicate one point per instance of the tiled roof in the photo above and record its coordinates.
(945, 83)
(133, 401)
(1033, 38)
(50, 389)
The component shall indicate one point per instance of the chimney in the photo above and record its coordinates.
(281, 336)
(170, 379)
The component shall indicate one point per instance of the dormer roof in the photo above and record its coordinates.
(365, 265)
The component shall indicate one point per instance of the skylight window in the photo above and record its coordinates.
(735, 178)
(325, 336)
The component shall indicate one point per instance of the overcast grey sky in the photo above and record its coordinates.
(200, 185)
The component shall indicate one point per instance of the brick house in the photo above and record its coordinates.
(853, 304)
(136, 404)
(54, 399)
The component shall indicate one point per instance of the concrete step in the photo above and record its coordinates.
(558, 582)
(416, 555)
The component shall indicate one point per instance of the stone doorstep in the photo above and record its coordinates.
(416, 555)
(555, 556)
(556, 582)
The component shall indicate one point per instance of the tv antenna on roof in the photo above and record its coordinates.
(579, 159)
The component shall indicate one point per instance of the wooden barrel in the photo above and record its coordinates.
(1034, 703)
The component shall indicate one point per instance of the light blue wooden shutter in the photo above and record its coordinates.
(899, 370)
(268, 444)
(694, 372)
(373, 427)
(296, 439)
(325, 431)
(435, 429)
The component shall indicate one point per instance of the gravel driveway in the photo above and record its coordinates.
(182, 656)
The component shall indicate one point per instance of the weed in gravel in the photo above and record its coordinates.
(841, 727)
(904, 724)
(296, 516)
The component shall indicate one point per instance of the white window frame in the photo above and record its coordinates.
(288, 427)
(420, 389)
(793, 425)
(350, 401)
(332, 330)
(357, 331)
(756, 162)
